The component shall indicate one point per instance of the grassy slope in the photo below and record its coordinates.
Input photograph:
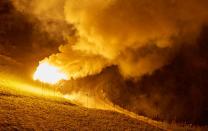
(23, 112)
(23, 109)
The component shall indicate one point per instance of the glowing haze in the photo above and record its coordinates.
(48, 74)
(157, 46)
(138, 36)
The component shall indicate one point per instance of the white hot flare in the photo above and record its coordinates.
(48, 74)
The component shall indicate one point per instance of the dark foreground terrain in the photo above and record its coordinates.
(24, 106)
(21, 112)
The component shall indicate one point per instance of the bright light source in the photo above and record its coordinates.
(48, 74)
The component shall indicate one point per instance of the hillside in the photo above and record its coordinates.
(21, 112)
(26, 105)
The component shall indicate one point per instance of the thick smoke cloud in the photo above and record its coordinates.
(137, 36)
(24, 41)
(147, 56)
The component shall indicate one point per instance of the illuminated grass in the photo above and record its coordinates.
(12, 86)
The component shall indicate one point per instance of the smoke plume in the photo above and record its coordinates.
(137, 36)
(153, 46)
